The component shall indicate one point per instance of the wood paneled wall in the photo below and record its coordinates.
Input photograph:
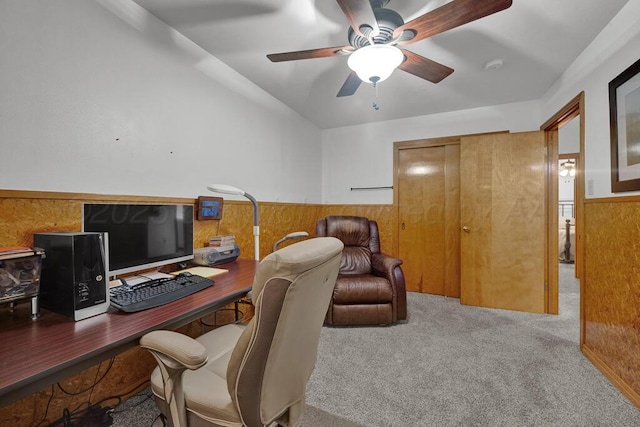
(23, 213)
(385, 215)
(610, 309)
(610, 286)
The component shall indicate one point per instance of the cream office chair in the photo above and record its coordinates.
(253, 375)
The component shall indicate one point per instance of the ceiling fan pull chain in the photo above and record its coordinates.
(375, 97)
(375, 35)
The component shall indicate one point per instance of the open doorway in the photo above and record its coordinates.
(565, 135)
(568, 167)
(568, 283)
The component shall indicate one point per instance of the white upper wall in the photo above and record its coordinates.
(101, 97)
(615, 49)
(362, 156)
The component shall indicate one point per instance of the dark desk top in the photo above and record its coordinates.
(37, 353)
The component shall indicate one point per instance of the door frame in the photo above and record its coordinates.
(574, 108)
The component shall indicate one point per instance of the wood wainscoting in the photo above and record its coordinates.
(610, 290)
(610, 312)
(23, 213)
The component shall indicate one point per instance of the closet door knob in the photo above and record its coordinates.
(466, 229)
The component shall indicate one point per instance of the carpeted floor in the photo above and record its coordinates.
(455, 365)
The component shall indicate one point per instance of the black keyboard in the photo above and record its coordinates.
(156, 292)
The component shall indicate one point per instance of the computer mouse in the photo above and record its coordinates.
(184, 274)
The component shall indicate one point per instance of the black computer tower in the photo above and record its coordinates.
(74, 273)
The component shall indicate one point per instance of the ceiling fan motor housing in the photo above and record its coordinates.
(374, 55)
(388, 21)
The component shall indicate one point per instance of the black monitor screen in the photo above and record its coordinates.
(142, 236)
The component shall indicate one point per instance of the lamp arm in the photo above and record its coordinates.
(256, 226)
(255, 208)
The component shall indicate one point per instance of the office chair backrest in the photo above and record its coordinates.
(360, 237)
(276, 354)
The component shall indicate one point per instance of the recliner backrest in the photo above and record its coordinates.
(360, 238)
(276, 354)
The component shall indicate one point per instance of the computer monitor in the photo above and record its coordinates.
(142, 236)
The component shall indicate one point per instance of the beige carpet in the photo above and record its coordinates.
(454, 365)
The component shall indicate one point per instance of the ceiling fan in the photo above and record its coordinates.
(376, 33)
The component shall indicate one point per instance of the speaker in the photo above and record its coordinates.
(73, 280)
(214, 255)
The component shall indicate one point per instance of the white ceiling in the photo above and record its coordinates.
(536, 39)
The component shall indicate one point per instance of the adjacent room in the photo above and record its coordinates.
(392, 213)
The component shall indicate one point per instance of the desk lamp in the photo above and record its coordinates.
(294, 235)
(228, 189)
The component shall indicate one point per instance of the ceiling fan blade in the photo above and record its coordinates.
(350, 85)
(309, 54)
(360, 15)
(424, 68)
(448, 16)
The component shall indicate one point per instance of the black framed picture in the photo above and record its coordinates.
(624, 111)
(209, 208)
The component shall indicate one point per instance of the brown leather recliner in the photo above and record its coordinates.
(370, 288)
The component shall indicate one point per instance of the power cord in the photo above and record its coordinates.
(96, 380)
(93, 416)
(46, 411)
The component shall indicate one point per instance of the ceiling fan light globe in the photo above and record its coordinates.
(375, 63)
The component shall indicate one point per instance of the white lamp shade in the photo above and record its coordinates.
(225, 189)
(375, 63)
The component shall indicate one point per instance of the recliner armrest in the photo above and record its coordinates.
(390, 268)
(383, 265)
(178, 347)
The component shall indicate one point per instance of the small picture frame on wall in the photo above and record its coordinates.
(209, 208)
(624, 112)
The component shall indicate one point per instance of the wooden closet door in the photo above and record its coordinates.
(503, 215)
(429, 218)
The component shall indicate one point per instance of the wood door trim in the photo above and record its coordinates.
(429, 142)
(571, 110)
(574, 108)
(442, 140)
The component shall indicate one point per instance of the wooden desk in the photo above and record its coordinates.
(37, 353)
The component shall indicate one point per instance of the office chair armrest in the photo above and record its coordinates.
(175, 347)
(174, 353)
